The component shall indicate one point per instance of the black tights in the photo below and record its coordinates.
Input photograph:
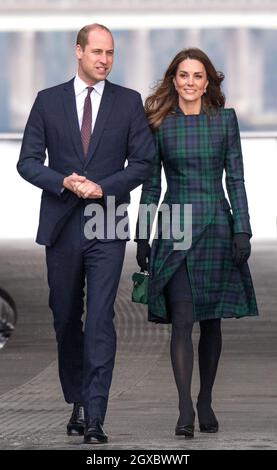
(209, 350)
(181, 350)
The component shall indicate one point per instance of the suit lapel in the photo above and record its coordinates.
(103, 113)
(69, 102)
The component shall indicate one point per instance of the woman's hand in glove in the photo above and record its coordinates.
(143, 254)
(241, 248)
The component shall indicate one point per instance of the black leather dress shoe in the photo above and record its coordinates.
(208, 427)
(94, 433)
(76, 424)
(186, 430)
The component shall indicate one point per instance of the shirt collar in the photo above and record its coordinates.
(80, 86)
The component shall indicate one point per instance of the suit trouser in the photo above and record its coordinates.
(86, 358)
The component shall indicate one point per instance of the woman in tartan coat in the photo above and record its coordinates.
(196, 140)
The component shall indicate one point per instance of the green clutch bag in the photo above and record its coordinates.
(140, 287)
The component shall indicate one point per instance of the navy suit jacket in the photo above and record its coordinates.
(121, 134)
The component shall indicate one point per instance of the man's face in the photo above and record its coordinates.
(96, 60)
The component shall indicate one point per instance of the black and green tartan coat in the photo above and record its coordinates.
(194, 150)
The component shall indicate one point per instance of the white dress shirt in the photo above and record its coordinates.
(80, 88)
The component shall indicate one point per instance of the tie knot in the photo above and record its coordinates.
(89, 88)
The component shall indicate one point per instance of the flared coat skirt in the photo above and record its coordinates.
(220, 289)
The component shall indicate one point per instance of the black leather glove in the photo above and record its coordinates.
(143, 254)
(241, 248)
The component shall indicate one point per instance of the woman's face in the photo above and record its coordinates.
(190, 80)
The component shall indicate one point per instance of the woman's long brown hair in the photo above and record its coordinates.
(165, 97)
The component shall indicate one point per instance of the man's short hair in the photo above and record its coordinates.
(82, 36)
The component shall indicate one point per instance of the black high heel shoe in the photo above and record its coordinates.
(210, 427)
(186, 430)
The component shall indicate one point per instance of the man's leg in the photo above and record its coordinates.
(66, 278)
(103, 263)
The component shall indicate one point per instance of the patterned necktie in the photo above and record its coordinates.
(87, 122)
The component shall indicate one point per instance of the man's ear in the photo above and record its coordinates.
(78, 51)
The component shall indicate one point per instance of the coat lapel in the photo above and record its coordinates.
(69, 102)
(103, 113)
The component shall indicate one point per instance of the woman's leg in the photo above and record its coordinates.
(179, 302)
(209, 351)
(181, 350)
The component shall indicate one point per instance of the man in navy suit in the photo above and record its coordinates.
(90, 129)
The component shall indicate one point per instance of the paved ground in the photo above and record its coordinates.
(143, 406)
